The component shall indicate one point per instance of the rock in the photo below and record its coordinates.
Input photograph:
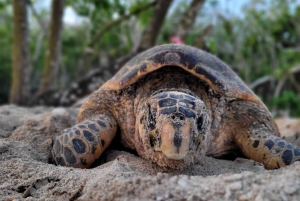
(289, 129)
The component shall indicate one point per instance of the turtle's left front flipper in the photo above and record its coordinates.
(268, 149)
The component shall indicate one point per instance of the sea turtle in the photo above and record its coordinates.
(173, 104)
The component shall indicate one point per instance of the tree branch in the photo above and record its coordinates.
(189, 18)
(118, 21)
(152, 30)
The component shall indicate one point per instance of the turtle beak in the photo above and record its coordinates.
(175, 139)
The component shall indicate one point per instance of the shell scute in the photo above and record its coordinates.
(201, 64)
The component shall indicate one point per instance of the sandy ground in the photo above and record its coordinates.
(26, 172)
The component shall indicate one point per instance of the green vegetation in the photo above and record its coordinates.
(263, 40)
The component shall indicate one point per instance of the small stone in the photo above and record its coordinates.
(233, 177)
(290, 189)
(59, 111)
(235, 186)
(259, 197)
(243, 197)
(182, 183)
(194, 198)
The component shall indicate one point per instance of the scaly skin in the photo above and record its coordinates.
(82, 144)
(173, 104)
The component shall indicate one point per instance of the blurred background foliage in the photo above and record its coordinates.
(261, 42)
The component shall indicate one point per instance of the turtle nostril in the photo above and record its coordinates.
(177, 117)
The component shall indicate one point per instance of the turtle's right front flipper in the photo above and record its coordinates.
(82, 144)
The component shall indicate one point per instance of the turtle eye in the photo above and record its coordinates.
(151, 120)
(200, 123)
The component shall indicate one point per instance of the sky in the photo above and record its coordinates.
(233, 7)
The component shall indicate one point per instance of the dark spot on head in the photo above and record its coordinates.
(78, 146)
(152, 140)
(297, 152)
(60, 161)
(281, 144)
(143, 67)
(88, 135)
(101, 123)
(269, 144)
(255, 144)
(68, 131)
(289, 146)
(168, 110)
(264, 136)
(287, 157)
(177, 138)
(71, 134)
(110, 125)
(186, 112)
(151, 119)
(200, 123)
(177, 117)
(77, 132)
(56, 147)
(66, 139)
(167, 102)
(93, 127)
(102, 142)
(81, 126)
(69, 156)
(288, 126)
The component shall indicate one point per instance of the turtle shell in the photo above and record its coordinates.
(207, 67)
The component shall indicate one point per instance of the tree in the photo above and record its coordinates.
(20, 55)
(153, 29)
(188, 18)
(53, 52)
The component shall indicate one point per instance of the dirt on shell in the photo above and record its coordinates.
(26, 172)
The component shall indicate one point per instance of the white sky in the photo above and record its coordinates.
(70, 16)
(230, 7)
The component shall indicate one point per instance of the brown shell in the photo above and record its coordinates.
(207, 67)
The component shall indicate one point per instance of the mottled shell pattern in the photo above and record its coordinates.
(207, 67)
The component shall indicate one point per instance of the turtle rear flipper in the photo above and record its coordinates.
(82, 144)
(270, 150)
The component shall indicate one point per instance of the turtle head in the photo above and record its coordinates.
(173, 126)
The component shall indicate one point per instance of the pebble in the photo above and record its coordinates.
(290, 189)
(233, 177)
(235, 186)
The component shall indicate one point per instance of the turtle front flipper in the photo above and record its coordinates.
(270, 150)
(82, 144)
